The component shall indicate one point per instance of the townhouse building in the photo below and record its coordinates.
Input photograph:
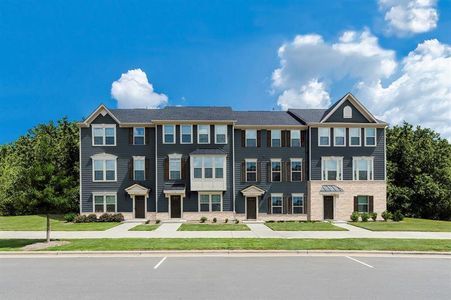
(189, 162)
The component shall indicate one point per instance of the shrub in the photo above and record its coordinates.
(157, 221)
(373, 216)
(80, 219)
(69, 217)
(226, 220)
(215, 220)
(280, 221)
(91, 218)
(364, 216)
(118, 217)
(397, 216)
(203, 219)
(355, 216)
(106, 217)
(386, 215)
(270, 221)
(237, 221)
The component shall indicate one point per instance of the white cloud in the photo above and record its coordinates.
(406, 17)
(133, 90)
(311, 95)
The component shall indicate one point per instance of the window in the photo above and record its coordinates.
(276, 203)
(203, 134)
(219, 167)
(221, 134)
(168, 134)
(354, 136)
(251, 170)
(197, 167)
(104, 167)
(297, 203)
(210, 202)
(347, 112)
(138, 135)
(251, 138)
(208, 167)
(296, 169)
(276, 170)
(362, 203)
(103, 135)
(104, 203)
(186, 134)
(175, 165)
(276, 138)
(139, 168)
(295, 136)
(324, 136)
(331, 168)
(370, 136)
(362, 168)
(339, 136)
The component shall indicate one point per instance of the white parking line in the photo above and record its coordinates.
(361, 262)
(160, 262)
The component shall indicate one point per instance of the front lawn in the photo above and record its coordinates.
(213, 227)
(408, 224)
(15, 245)
(303, 226)
(145, 227)
(57, 223)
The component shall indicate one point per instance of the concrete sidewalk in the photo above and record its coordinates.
(169, 230)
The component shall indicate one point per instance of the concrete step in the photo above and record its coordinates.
(253, 222)
(140, 221)
(173, 221)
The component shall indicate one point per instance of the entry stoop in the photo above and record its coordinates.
(253, 222)
(140, 221)
(173, 221)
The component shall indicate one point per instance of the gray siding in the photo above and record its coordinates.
(347, 153)
(190, 203)
(124, 151)
(264, 154)
(357, 116)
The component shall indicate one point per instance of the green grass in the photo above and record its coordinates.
(213, 227)
(15, 245)
(303, 226)
(57, 223)
(255, 244)
(408, 224)
(145, 227)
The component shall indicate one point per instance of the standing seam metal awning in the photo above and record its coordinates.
(330, 189)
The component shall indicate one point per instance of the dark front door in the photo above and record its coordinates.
(328, 207)
(140, 207)
(176, 206)
(251, 213)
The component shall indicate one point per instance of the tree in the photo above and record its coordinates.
(419, 172)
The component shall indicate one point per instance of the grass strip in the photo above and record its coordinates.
(213, 227)
(408, 224)
(145, 227)
(303, 226)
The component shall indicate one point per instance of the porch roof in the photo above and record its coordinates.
(331, 189)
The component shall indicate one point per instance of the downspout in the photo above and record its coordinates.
(233, 169)
(79, 166)
(309, 213)
(156, 171)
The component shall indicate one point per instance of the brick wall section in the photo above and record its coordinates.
(344, 202)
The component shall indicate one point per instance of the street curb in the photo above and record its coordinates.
(159, 253)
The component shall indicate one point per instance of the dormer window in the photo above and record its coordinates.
(104, 135)
(347, 112)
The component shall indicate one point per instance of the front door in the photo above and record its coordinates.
(251, 213)
(328, 207)
(176, 206)
(140, 207)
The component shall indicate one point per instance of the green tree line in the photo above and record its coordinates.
(40, 171)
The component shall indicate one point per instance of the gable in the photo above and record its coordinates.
(106, 119)
(338, 114)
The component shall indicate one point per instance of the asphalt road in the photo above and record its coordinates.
(306, 277)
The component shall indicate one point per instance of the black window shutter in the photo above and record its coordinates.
(166, 169)
(243, 138)
(371, 204)
(147, 136)
(303, 132)
(130, 169)
(290, 205)
(130, 136)
(305, 205)
(258, 171)
(259, 138)
(356, 207)
(269, 204)
(268, 138)
(243, 171)
(268, 171)
(147, 177)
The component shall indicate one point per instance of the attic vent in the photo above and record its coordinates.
(347, 112)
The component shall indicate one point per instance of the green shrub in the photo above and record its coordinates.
(118, 217)
(397, 216)
(203, 219)
(157, 221)
(355, 216)
(373, 216)
(280, 221)
(106, 217)
(81, 219)
(237, 221)
(91, 218)
(69, 217)
(226, 220)
(215, 220)
(386, 215)
(364, 216)
(270, 221)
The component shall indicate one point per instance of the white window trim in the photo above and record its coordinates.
(104, 157)
(202, 157)
(280, 139)
(360, 138)
(319, 137)
(375, 137)
(141, 158)
(173, 157)
(245, 136)
(272, 207)
(279, 160)
(164, 133)
(245, 168)
(323, 165)
(144, 136)
(291, 169)
(367, 203)
(370, 163)
(209, 201)
(191, 134)
(226, 133)
(198, 134)
(344, 137)
(103, 194)
(103, 126)
(347, 112)
(291, 137)
(303, 203)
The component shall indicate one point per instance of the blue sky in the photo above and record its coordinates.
(60, 58)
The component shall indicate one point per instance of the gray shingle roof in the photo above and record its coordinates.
(195, 113)
(174, 186)
(309, 115)
(211, 151)
(136, 115)
(265, 118)
(330, 189)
